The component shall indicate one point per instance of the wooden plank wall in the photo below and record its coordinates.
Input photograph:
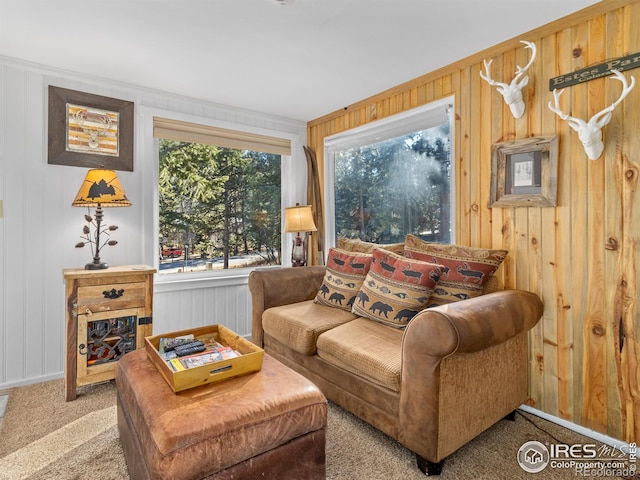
(580, 257)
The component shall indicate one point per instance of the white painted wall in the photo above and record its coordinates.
(39, 227)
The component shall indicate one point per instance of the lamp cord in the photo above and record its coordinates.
(557, 440)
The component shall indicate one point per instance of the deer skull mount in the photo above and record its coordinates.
(102, 120)
(590, 133)
(512, 92)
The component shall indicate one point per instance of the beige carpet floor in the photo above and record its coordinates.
(43, 437)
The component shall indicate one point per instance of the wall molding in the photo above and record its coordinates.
(574, 427)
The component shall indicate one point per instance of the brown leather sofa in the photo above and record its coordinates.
(452, 373)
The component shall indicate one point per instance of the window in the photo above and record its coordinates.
(219, 198)
(391, 178)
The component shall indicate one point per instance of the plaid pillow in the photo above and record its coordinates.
(344, 276)
(395, 289)
(466, 269)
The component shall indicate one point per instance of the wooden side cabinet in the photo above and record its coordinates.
(108, 313)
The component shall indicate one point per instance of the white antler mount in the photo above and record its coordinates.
(512, 92)
(590, 133)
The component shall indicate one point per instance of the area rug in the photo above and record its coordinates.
(43, 437)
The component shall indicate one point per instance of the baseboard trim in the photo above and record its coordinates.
(30, 381)
(587, 432)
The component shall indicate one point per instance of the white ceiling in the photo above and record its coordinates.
(300, 61)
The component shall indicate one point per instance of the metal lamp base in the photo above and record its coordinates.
(299, 251)
(96, 266)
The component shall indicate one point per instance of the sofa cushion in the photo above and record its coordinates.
(357, 245)
(298, 325)
(368, 349)
(466, 271)
(343, 278)
(396, 288)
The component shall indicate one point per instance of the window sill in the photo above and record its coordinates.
(172, 282)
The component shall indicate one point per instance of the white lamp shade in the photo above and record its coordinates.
(299, 219)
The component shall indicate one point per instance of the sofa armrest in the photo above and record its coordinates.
(469, 328)
(280, 286)
(472, 325)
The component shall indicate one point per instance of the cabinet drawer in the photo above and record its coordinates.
(107, 297)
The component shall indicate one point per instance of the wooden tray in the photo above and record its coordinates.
(250, 360)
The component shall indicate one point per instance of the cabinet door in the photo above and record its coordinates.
(103, 338)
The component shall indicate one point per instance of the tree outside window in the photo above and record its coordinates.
(397, 186)
(219, 207)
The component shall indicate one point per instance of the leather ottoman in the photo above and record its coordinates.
(268, 424)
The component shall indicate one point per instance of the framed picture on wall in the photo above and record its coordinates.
(87, 130)
(524, 173)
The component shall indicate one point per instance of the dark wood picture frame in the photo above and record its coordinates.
(91, 151)
(524, 173)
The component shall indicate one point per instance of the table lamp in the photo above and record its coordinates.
(100, 188)
(299, 219)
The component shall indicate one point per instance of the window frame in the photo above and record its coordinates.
(416, 119)
(292, 189)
